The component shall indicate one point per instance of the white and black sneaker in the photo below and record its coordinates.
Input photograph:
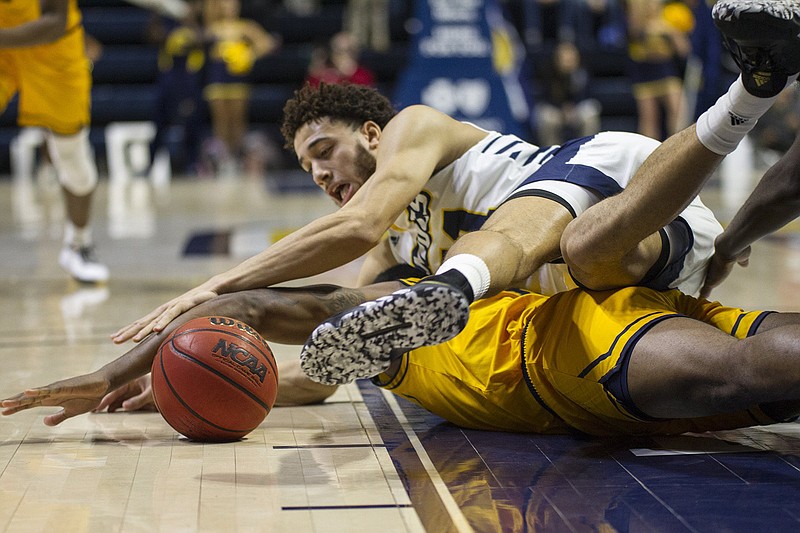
(80, 262)
(361, 342)
(764, 38)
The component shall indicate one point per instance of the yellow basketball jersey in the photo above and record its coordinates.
(16, 12)
(530, 363)
(53, 80)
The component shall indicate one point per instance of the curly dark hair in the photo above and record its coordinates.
(353, 104)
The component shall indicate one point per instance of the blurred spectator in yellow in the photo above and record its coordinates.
(181, 62)
(368, 22)
(657, 45)
(234, 46)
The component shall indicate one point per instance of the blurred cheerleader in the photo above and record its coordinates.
(234, 46)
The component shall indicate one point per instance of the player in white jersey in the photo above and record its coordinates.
(606, 246)
(380, 166)
(459, 198)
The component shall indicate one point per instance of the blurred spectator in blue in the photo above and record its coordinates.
(548, 22)
(717, 70)
(566, 110)
(599, 24)
(181, 59)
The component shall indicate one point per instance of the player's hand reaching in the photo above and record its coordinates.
(75, 396)
(157, 320)
(136, 395)
(720, 267)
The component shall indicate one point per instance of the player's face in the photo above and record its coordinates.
(336, 156)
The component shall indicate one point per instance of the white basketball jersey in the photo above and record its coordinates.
(460, 197)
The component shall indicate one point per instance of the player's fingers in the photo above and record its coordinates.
(10, 410)
(140, 402)
(111, 401)
(125, 333)
(705, 292)
(708, 284)
(17, 404)
(713, 278)
(25, 398)
(168, 316)
(57, 418)
(143, 332)
(12, 400)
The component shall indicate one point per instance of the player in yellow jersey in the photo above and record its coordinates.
(43, 60)
(631, 361)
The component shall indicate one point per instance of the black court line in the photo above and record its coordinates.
(343, 507)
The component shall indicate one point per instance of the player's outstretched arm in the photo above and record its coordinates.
(81, 394)
(285, 315)
(774, 202)
(74, 395)
(294, 388)
(324, 244)
(412, 146)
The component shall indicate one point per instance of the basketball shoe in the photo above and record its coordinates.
(764, 38)
(80, 263)
(361, 342)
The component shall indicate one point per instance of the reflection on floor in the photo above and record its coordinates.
(363, 461)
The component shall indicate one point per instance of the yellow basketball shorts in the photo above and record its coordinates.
(53, 81)
(529, 363)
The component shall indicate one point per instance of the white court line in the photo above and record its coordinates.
(458, 518)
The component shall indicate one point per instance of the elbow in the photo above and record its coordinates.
(53, 28)
(363, 231)
(246, 306)
(791, 188)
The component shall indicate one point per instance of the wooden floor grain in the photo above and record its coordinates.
(321, 468)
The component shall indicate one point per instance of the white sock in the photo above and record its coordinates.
(77, 237)
(725, 124)
(471, 267)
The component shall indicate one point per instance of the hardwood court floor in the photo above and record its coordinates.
(363, 461)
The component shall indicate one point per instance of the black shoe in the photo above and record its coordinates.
(764, 38)
(362, 341)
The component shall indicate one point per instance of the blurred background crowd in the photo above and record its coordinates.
(212, 76)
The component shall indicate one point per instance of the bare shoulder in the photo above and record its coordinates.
(428, 126)
(427, 117)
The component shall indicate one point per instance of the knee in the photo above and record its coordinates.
(74, 162)
(579, 254)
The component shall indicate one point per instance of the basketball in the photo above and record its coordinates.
(214, 379)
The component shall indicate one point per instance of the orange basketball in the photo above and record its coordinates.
(214, 379)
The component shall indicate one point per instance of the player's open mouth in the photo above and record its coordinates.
(341, 193)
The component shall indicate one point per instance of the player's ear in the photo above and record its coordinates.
(372, 132)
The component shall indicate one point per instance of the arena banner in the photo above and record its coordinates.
(467, 60)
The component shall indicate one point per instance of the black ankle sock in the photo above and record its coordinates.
(456, 279)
